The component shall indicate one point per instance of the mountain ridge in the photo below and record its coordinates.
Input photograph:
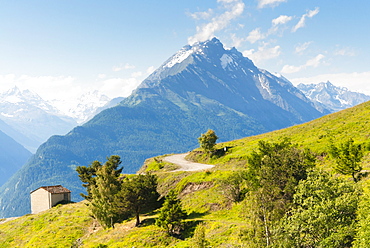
(331, 97)
(204, 194)
(209, 88)
(12, 157)
(28, 114)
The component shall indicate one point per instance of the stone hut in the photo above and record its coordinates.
(46, 197)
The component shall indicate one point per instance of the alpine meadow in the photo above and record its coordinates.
(184, 124)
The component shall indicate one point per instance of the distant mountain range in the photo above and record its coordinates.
(32, 117)
(331, 97)
(30, 120)
(203, 86)
(85, 107)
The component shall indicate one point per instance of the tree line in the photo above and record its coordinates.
(113, 197)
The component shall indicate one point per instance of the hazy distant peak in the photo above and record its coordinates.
(332, 97)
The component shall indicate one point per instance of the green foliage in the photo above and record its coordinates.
(274, 172)
(88, 174)
(348, 156)
(101, 182)
(139, 193)
(208, 140)
(231, 186)
(171, 215)
(104, 204)
(362, 239)
(314, 207)
(324, 213)
(199, 239)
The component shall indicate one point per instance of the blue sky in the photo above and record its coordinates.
(61, 49)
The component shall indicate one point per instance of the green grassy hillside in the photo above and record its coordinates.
(317, 135)
(203, 194)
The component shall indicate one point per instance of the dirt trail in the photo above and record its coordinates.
(179, 159)
(7, 219)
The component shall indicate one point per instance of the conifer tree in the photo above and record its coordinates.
(138, 193)
(199, 239)
(88, 174)
(348, 156)
(102, 185)
(104, 205)
(171, 215)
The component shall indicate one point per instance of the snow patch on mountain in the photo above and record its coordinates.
(225, 60)
(179, 57)
(31, 119)
(332, 97)
(85, 107)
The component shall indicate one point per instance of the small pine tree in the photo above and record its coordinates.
(103, 204)
(199, 239)
(139, 193)
(348, 158)
(102, 185)
(87, 174)
(208, 140)
(171, 215)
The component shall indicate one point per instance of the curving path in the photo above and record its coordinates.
(179, 159)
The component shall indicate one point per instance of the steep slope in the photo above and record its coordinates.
(200, 87)
(17, 136)
(200, 192)
(34, 118)
(326, 95)
(12, 157)
(317, 135)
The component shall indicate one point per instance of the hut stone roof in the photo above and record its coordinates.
(56, 189)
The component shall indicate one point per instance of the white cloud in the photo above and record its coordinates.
(314, 62)
(48, 87)
(136, 74)
(150, 70)
(288, 69)
(202, 15)
(255, 35)
(236, 41)
(277, 23)
(127, 66)
(66, 88)
(234, 8)
(281, 20)
(263, 53)
(300, 48)
(269, 3)
(302, 21)
(355, 81)
(115, 87)
(345, 52)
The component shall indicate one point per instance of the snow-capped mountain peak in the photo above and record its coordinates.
(84, 107)
(332, 97)
(31, 119)
(18, 96)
